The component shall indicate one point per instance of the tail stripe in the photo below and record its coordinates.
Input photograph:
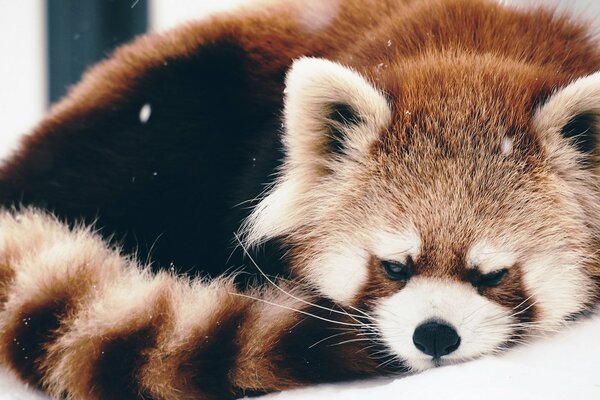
(80, 321)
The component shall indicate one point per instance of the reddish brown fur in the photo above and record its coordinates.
(6, 275)
(474, 54)
(454, 64)
(457, 64)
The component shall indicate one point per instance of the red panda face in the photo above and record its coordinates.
(459, 230)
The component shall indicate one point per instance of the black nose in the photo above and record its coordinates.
(436, 339)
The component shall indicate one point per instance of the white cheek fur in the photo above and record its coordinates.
(482, 324)
(556, 280)
(559, 285)
(340, 273)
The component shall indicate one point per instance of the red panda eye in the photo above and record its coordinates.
(492, 279)
(398, 271)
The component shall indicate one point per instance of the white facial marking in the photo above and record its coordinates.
(340, 273)
(481, 324)
(396, 246)
(489, 258)
(507, 146)
(558, 284)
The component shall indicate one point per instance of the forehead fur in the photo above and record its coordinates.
(443, 79)
(488, 257)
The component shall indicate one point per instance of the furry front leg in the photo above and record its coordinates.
(83, 322)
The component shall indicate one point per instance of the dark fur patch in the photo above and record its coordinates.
(6, 276)
(302, 355)
(203, 139)
(214, 355)
(28, 337)
(339, 118)
(379, 285)
(115, 371)
(272, 257)
(582, 130)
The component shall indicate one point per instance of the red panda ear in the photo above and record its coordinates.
(330, 112)
(572, 114)
(332, 115)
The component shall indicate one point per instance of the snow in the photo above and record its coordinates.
(145, 113)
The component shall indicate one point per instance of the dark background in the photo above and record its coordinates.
(80, 33)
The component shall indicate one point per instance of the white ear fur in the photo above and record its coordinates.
(580, 97)
(313, 86)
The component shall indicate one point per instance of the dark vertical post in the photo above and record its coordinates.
(81, 32)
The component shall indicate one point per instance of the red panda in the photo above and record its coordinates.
(421, 177)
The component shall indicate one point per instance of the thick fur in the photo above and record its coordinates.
(84, 322)
(215, 91)
(215, 88)
(455, 137)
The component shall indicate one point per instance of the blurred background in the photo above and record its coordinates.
(45, 45)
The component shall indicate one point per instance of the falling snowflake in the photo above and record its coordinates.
(145, 113)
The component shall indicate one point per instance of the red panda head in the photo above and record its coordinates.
(456, 204)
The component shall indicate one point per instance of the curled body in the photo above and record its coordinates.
(430, 165)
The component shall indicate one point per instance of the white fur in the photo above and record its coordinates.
(396, 246)
(204, 299)
(507, 146)
(489, 258)
(312, 86)
(558, 285)
(482, 324)
(340, 273)
(278, 212)
(38, 246)
(556, 278)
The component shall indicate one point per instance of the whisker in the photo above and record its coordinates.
(367, 348)
(350, 341)
(245, 250)
(391, 360)
(295, 310)
(328, 337)
(361, 311)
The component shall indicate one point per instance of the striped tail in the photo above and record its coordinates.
(81, 321)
